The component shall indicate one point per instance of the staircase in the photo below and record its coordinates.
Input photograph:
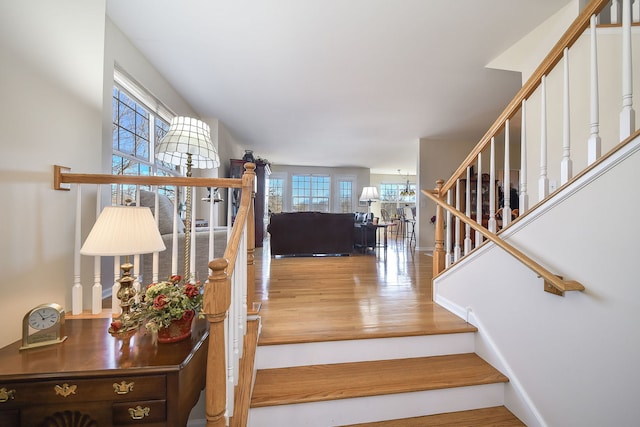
(423, 380)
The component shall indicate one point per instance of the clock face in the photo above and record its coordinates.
(44, 317)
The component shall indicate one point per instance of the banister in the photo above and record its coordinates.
(552, 283)
(217, 294)
(570, 36)
(60, 177)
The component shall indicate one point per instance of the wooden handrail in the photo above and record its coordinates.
(555, 55)
(552, 283)
(60, 177)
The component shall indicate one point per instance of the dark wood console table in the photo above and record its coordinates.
(94, 379)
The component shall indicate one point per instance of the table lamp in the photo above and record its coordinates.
(369, 194)
(124, 230)
(188, 143)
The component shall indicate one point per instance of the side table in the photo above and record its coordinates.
(103, 380)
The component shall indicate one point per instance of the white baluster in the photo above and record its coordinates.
(447, 231)
(635, 15)
(479, 200)
(174, 242)
(242, 294)
(594, 143)
(76, 293)
(524, 196)
(228, 343)
(456, 249)
(115, 302)
(493, 225)
(212, 207)
(156, 255)
(566, 165)
(231, 338)
(506, 180)
(229, 212)
(96, 291)
(615, 11)
(136, 259)
(467, 227)
(627, 116)
(192, 258)
(543, 181)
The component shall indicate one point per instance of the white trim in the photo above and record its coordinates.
(129, 84)
(494, 356)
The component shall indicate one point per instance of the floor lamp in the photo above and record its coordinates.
(188, 143)
(369, 194)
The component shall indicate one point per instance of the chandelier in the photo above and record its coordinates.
(407, 190)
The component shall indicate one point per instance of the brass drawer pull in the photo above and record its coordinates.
(123, 387)
(65, 390)
(139, 413)
(6, 395)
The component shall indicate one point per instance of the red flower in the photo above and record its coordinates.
(175, 278)
(188, 315)
(159, 302)
(116, 325)
(191, 291)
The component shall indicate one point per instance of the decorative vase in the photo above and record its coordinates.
(248, 156)
(177, 330)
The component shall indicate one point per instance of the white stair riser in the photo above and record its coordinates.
(318, 353)
(378, 408)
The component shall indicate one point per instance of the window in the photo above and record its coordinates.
(391, 198)
(276, 194)
(310, 193)
(345, 196)
(136, 130)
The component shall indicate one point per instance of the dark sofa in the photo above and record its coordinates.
(311, 233)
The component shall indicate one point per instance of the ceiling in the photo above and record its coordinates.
(336, 82)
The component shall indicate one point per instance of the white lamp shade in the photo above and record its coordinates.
(123, 230)
(369, 193)
(188, 136)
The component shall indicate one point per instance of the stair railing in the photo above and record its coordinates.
(227, 293)
(494, 208)
(552, 283)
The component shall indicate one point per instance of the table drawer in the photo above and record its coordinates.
(139, 412)
(9, 418)
(125, 388)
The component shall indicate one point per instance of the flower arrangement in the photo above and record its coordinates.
(160, 304)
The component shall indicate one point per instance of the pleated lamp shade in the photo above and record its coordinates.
(123, 230)
(368, 194)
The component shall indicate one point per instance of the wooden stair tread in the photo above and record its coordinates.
(301, 384)
(485, 417)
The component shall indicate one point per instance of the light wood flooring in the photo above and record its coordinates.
(372, 295)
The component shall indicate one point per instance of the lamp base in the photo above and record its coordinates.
(127, 292)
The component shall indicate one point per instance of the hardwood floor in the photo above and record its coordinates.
(309, 299)
(372, 295)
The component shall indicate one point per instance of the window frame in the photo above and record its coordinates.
(159, 118)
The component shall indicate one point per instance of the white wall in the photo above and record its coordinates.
(51, 80)
(56, 79)
(576, 357)
(438, 160)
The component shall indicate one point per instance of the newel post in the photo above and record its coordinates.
(217, 298)
(249, 181)
(438, 251)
